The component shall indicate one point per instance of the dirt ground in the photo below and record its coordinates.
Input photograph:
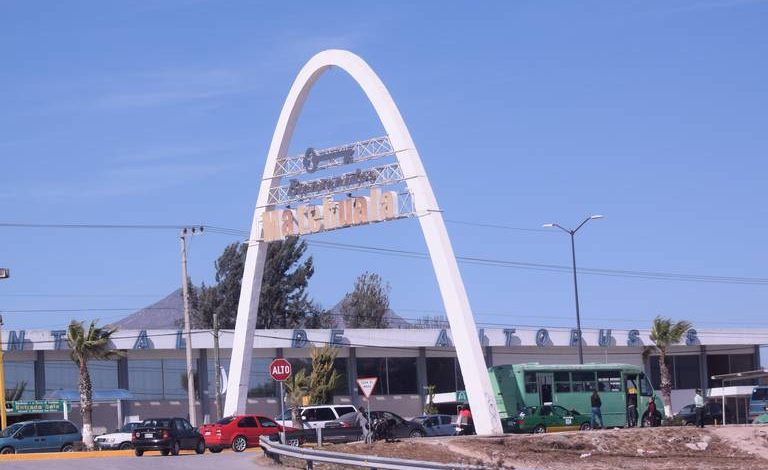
(679, 448)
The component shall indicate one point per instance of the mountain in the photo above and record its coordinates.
(167, 313)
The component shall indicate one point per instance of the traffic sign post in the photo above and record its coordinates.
(367, 384)
(280, 370)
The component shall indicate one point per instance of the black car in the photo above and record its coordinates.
(712, 412)
(398, 426)
(168, 435)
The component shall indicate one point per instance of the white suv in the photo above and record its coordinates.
(316, 416)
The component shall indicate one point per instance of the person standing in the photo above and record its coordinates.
(596, 414)
(698, 402)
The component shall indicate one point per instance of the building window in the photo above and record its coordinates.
(145, 379)
(175, 378)
(373, 367)
(687, 374)
(401, 374)
(65, 375)
(20, 379)
(260, 384)
(342, 385)
(441, 372)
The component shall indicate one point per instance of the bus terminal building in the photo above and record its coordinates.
(149, 377)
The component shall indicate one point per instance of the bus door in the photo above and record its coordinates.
(545, 382)
(632, 399)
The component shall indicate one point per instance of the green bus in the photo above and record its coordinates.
(519, 385)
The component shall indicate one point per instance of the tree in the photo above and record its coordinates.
(367, 305)
(430, 408)
(15, 393)
(665, 333)
(283, 302)
(85, 345)
(324, 377)
(295, 390)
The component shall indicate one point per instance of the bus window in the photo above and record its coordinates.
(609, 380)
(583, 381)
(562, 382)
(530, 382)
(760, 394)
(645, 386)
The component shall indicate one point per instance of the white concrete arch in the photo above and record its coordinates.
(464, 332)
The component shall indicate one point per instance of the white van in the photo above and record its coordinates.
(316, 416)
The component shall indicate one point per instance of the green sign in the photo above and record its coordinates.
(37, 406)
(461, 396)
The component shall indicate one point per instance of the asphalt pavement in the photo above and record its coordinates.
(150, 460)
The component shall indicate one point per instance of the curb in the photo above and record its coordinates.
(101, 454)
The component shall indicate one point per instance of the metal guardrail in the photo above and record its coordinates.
(275, 450)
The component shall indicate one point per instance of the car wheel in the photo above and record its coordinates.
(200, 448)
(138, 452)
(239, 444)
(165, 452)
(125, 446)
(67, 448)
(585, 427)
(7, 450)
(216, 450)
(175, 448)
(688, 423)
(416, 433)
(539, 429)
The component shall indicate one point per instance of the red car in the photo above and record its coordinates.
(238, 432)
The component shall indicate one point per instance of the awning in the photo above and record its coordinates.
(108, 395)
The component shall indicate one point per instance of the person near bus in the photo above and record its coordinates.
(632, 407)
(596, 414)
(651, 415)
(698, 402)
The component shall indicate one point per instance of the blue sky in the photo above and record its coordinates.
(651, 113)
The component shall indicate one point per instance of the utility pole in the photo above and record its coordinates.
(217, 361)
(5, 273)
(187, 329)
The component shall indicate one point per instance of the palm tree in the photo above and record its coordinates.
(85, 345)
(665, 333)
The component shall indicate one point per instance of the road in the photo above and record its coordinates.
(151, 460)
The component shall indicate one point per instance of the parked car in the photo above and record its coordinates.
(239, 432)
(120, 439)
(400, 427)
(39, 436)
(712, 412)
(437, 425)
(316, 416)
(168, 435)
(549, 418)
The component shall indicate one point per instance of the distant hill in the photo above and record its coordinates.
(168, 313)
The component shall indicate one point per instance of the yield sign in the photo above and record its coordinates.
(367, 384)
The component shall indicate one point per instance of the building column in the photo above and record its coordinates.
(703, 372)
(352, 376)
(39, 375)
(488, 356)
(122, 383)
(202, 385)
(421, 375)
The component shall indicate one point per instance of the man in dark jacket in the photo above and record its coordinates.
(596, 404)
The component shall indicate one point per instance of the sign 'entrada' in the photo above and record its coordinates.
(378, 206)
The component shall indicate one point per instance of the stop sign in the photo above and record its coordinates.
(280, 369)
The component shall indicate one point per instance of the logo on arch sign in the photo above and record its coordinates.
(367, 385)
(280, 370)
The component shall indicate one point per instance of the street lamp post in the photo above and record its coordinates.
(5, 273)
(572, 233)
